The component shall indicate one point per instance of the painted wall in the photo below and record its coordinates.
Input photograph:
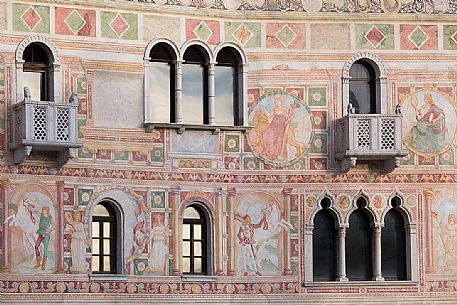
(275, 173)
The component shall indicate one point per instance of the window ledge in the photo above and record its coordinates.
(360, 283)
(182, 127)
(198, 278)
(107, 277)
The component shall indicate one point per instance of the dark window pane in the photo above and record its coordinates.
(324, 247)
(362, 87)
(193, 94)
(225, 95)
(358, 247)
(160, 91)
(393, 247)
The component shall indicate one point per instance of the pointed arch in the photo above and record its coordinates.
(368, 208)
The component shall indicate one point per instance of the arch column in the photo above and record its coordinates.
(377, 275)
(342, 254)
(175, 192)
(231, 192)
(429, 263)
(308, 249)
(412, 259)
(218, 232)
(146, 106)
(178, 92)
(286, 192)
(211, 94)
(19, 81)
(243, 95)
(56, 83)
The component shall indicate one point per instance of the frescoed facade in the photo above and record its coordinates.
(228, 151)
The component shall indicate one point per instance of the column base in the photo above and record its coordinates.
(342, 278)
(287, 272)
(378, 278)
(219, 273)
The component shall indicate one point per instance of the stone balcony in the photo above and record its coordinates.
(44, 126)
(376, 137)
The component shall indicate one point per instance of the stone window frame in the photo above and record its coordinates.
(381, 80)
(342, 223)
(211, 55)
(53, 55)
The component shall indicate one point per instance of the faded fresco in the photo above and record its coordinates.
(447, 236)
(79, 243)
(259, 229)
(429, 122)
(32, 223)
(281, 128)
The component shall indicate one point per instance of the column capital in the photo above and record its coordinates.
(218, 191)
(175, 190)
(287, 191)
(428, 193)
(231, 191)
(60, 185)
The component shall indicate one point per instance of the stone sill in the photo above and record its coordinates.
(360, 283)
(107, 277)
(180, 128)
(198, 278)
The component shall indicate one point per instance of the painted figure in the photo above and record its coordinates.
(79, 242)
(159, 237)
(45, 227)
(428, 135)
(449, 239)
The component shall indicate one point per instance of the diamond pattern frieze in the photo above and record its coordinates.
(375, 36)
(242, 34)
(286, 35)
(202, 31)
(418, 37)
(31, 18)
(119, 25)
(75, 22)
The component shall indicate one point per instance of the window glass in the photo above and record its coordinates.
(358, 247)
(100, 210)
(225, 95)
(193, 244)
(103, 239)
(324, 247)
(393, 247)
(33, 81)
(159, 91)
(193, 93)
(362, 87)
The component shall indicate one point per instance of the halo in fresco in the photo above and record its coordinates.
(281, 130)
(391, 6)
(429, 122)
(312, 6)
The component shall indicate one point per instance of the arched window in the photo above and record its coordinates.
(37, 71)
(227, 87)
(162, 78)
(195, 86)
(105, 241)
(362, 87)
(359, 245)
(324, 244)
(393, 244)
(195, 241)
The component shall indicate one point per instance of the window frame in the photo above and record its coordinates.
(209, 122)
(115, 238)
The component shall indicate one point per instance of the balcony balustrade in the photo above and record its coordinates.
(370, 137)
(44, 126)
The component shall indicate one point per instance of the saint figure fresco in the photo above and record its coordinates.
(79, 242)
(429, 123)
(447, 236)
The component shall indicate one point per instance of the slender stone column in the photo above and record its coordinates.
(342, 255)
(4, 189)
(174, 193)
(231, 231)
(19, 81)
(412, 263)
(146, 104)
(429, 263)
(286, 192)
(308, 248)
(218, 232)
(211, 95)
(178, 92)
(377, 254)
(60, 228)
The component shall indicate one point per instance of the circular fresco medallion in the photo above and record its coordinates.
(232, 4)
(391, 6)
(429, 122)
(281, 130)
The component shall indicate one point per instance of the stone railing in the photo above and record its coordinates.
(44, 126)
(370, 137)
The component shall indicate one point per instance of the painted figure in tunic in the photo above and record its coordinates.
(159, 236)
(246, 237)
(45, 227)
(79, 242)
(449, 239)
(428, 135)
